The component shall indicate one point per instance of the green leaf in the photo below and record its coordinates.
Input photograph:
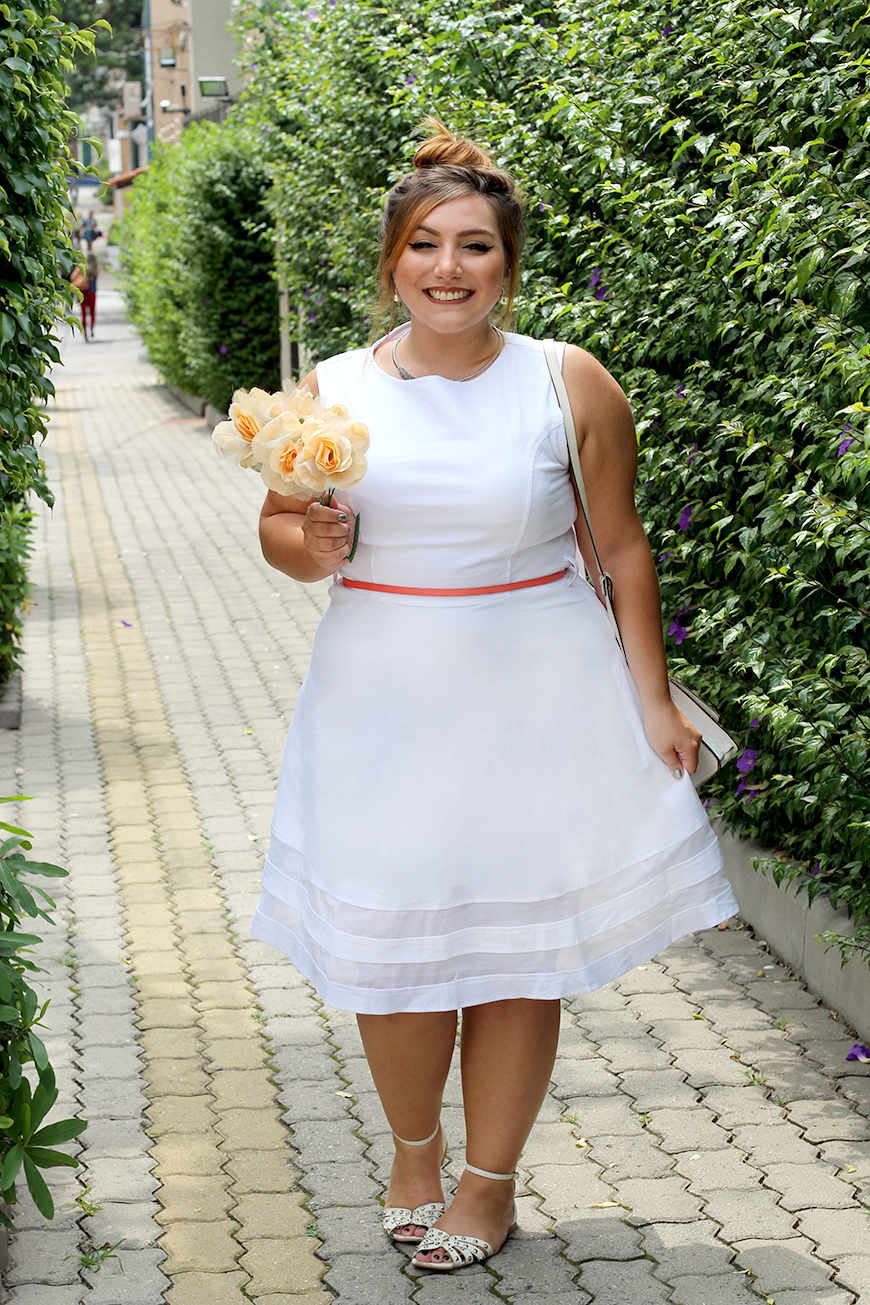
(37, 1047)
(61, 1131)
(48, 1159)
(38, 1189)
(11, 1165)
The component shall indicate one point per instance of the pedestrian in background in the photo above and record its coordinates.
(88, 287)
(90, 230)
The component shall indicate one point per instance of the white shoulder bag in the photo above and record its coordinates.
(717, 746)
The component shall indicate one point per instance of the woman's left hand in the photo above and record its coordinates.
(673, 736)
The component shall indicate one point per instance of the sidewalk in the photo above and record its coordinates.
(705, 1142)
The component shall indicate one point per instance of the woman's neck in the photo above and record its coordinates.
(424, 352)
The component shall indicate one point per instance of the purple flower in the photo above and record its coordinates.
(542, 208)
(596, 277)
(243, 321)
(306, 292)
(750, 792)
(685, 518)
(410, 79)
(223, 349)
(847, 444)
(312, 17)
(754, 723)
(366, 323)
(601, 292)
(127, 623)
(678, 631)
(682, 390)
(858, 1052)
(265, 129)
(319, 299)
(692, 455)
(312, 317)
(817, 869)
(667, 29)
(747, 760)
(663, 557)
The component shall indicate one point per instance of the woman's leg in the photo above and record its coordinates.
(409, 1056)
(508, 1049)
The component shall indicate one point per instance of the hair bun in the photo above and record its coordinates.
(443, 148)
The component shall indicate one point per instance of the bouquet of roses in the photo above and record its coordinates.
(299, 447)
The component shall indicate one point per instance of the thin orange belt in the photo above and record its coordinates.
(455, 593)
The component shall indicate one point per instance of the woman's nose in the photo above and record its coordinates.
(448, 262)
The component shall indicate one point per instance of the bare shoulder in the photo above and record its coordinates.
(310, 381)
(597, 399)
(593, 384)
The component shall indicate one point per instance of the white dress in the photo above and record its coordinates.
(468, 807)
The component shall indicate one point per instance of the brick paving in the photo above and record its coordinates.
(704, 1141)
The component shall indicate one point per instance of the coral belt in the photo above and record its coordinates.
(455, 593)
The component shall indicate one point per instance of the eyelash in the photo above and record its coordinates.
(477, 246)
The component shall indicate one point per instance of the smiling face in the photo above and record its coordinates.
(451, 273)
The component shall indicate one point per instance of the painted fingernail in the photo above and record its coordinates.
(677, 774)
(342, 516)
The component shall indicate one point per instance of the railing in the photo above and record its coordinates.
(215, 114)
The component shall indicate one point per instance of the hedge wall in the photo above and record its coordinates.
(197, 254)
(699, 219)
(35, 259)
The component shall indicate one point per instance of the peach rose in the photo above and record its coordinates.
(250, 411)
(276, 448)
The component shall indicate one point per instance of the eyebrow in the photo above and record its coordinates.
(472, 231)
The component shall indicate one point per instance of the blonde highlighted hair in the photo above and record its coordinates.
(447, 167)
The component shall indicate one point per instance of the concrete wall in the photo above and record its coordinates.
(213, 48)
(790, 927)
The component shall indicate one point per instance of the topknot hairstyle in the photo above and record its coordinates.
(447, 167)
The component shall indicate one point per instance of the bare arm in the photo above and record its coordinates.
(301, 537)
(608, 458)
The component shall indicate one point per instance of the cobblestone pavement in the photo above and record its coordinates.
(705, 1142)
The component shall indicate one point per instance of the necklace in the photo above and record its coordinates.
(406, 376)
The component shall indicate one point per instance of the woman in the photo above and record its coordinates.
(88, 288)
(478, 809)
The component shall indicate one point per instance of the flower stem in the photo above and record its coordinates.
(349, 557)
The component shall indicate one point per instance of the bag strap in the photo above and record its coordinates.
(604, 577)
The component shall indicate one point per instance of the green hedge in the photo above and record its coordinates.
(699, 220)
(198, 259)
(35, 259)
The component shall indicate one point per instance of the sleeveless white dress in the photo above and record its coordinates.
(468, 807)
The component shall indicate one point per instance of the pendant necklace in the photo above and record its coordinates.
(406, 376)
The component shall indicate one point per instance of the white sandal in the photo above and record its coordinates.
(397, 1216)
(462, 1250)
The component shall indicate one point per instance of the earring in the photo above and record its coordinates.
(396, 299)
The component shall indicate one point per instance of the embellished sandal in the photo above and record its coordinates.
(423, 1216)
(462, 1250)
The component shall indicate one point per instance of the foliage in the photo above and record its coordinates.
(35, 260)
(198, 262)
(116, 57)
(699, 220)
(14, 587)
(26, 1144)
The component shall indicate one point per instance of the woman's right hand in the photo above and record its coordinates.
(328, 534)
